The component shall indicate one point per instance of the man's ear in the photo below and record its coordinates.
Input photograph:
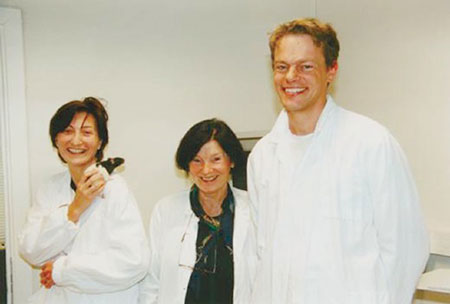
(332, 71)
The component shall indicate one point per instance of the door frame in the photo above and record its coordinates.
(14, 145)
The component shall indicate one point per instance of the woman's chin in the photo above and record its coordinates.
(211, 189)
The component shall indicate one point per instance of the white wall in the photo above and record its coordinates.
(162, 65)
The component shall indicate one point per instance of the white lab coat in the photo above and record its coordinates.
(173, 234)
(98, 260)
(346, 227)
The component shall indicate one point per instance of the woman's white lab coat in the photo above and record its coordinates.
(346, 226)
(98, 260)
(173, 233)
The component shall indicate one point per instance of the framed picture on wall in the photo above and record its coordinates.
(248, 141)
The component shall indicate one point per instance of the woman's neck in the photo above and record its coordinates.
(212, 202)
(76, 172)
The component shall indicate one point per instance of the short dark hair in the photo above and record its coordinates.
(323, 35)
(203, 132)
(64, 115)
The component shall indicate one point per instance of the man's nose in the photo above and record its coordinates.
(292, 73)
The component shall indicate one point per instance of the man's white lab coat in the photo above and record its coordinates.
(346, 227)
(98, 260)
(172, 236)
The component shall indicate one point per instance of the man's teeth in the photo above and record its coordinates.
(294, 90)
(208, 179)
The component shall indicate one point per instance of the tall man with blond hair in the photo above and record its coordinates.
(337, 212)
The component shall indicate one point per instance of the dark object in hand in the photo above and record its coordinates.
(111, 163)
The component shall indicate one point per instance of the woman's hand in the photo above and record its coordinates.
(46, 275)
(91, 184)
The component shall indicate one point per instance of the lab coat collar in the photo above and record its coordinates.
(65, 188)
(281, 127)
(187, 207)
(66, 179)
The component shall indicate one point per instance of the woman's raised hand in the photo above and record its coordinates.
(91, 184)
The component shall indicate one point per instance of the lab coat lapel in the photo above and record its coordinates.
(278, 136)
(188, 239)
(241, 222)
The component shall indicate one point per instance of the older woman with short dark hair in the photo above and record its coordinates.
(202, 239)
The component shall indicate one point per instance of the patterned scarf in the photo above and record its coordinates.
(221, 225)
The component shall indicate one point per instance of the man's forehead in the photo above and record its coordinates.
(297, 47)
(299, 40)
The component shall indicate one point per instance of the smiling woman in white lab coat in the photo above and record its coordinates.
(201, 240)
(84, 229)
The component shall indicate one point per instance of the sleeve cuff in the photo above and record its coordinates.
(57, 271)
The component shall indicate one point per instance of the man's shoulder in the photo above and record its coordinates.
(359, 132)
(360, 125)
(263, 147)
(264, 141)
(240, 194)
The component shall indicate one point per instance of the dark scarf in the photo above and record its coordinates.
(220, 225)
(72, 185)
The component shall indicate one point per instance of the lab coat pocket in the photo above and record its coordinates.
(344, 196)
